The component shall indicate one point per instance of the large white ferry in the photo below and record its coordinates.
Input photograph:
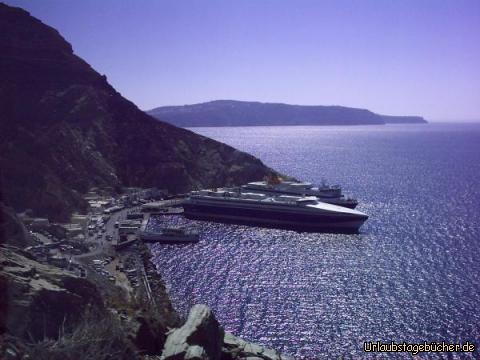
(297, 212)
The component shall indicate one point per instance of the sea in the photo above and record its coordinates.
(411, 275)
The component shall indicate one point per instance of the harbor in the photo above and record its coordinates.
(104, 245)
(118, 225)
(111, 244)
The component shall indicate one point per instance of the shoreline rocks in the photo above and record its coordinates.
(202, 337)
(199, 338)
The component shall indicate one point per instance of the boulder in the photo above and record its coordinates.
(201, 337)
(147, 333)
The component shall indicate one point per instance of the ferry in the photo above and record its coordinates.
(331, 194)
(171, 236)
(305, 213)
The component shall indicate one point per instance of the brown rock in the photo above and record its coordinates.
(201, 337)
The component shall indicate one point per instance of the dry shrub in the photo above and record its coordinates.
(93, 338)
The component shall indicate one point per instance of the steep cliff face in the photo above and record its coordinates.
(63, 129)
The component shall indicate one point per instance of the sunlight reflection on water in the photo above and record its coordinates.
(411, 275)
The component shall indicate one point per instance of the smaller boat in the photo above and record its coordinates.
(331, 194)
(170, 236)
(168, 211)
(296, 188)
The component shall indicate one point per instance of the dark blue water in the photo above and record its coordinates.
(413, 274)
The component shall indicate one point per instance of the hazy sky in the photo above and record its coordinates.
(393, 57)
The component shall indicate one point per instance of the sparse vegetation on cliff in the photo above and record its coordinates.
(93, 338)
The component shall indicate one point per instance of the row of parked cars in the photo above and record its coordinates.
(132, 270)
(99, 267)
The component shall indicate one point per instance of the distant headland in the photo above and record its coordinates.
(247, 113)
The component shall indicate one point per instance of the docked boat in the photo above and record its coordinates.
(168, 211)
(304, 213)
(331, 194)
(170, 236)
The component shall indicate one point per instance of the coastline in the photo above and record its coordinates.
(142, 318)
(233, 347)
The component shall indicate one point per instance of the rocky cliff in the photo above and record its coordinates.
(38, 299)
(49, 313)
(64, 129)
(246, 113)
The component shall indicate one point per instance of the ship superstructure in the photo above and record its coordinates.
(331, 194)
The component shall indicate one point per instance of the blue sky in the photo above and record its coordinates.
(393, 57)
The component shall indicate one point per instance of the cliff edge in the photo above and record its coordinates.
(65, 129)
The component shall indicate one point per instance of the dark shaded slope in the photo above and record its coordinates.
(244, 113)
(63, 129)
(12, 230)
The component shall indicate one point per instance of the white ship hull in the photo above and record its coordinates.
(317, 217)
